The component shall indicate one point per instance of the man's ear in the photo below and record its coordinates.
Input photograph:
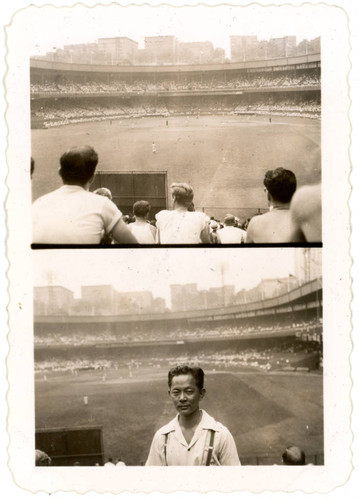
(90, 181)
(59, 172)
(202, 393)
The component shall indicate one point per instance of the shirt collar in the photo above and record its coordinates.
(207, 422)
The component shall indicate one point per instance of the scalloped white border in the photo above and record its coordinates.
(336, 130)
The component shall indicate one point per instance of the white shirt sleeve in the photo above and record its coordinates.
(110, 214)
(156, 454)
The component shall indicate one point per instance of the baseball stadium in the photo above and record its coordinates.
(217, 127)
(263, 375)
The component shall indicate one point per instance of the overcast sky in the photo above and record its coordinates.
(156, 269)
(51, 27)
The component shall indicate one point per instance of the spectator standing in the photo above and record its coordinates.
(143, 231)
(71, 214)
(179, 226)
(193, 437)
(229, 233)
(275, 225)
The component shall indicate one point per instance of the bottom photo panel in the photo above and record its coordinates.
(171, 357)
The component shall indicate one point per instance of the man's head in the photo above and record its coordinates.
(182, 194)
(141, 208)
(186, 388)
(229, 220)
(280, 184)
(78, 165)
(293, 455)
(104, 192)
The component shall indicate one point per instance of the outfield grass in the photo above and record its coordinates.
(224, 158)
(264, 412)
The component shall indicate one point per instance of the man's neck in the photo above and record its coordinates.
(280, 206)
(190, 421)
(86, 186)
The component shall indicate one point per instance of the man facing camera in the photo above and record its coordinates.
(73, 215)
(193, 437)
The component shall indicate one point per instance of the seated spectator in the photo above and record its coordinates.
(120, 463)
(213, 231)
(42, 459)
(143, 231)
(71, 214)
(109, 463)
(179, 226)
(293, 456)
(104, 192)
(229, 233)
(106, 239)
(275, 225)
(306, 214)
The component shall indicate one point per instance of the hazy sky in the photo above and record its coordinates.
(51, 27)
(155, 269)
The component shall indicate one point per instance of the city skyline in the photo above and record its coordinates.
(155, 270)
(188, 24)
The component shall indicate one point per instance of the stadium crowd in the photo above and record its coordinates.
(74, 215)
(270, 358)
(57, 114)
(82, 337)
(283, 81)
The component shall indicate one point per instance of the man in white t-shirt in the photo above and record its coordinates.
(73, 215)
(180, 226)
(143, 231)
(229, 233)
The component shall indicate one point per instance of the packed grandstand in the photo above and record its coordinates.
(65, 93)
(283, 334)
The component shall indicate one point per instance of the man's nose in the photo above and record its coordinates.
(183, 396)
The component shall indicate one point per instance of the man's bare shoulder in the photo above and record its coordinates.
(306, 199)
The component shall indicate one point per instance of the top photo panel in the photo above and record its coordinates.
(175, 126)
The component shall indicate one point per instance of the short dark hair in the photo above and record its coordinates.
(182, 193)
(78, 165)
(141, 208)
(281, 184)
(196, 372)
(229, 220)
(293, 455)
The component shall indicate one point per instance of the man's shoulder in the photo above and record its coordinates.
(165, 429)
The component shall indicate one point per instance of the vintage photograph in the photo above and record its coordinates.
(178, 248)
(119, 362)
(209, 135)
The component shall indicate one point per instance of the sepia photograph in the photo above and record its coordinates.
(178, 248)
(190, 136)
(110, 349)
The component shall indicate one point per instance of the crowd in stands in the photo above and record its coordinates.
(58, 114)
(82, 338)
(261, 358)
(143, 86)
(74, 215)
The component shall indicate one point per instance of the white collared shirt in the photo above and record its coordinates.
(179, 452)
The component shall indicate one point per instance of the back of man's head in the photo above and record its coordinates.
(229, 220)
(141, 208)
(293, 455)
(78, 165)
(182, 193)
(281, 184)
